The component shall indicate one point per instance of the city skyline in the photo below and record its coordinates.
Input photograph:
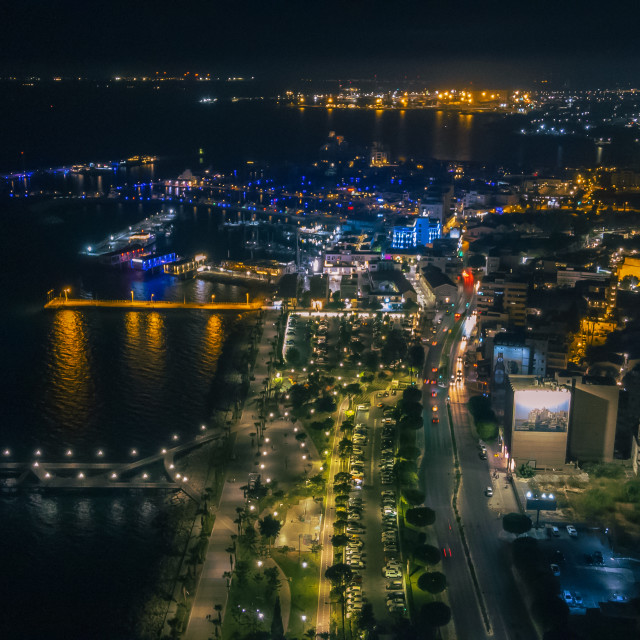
(562, 44)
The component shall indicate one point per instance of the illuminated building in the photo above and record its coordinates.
(505, 295)
(569, 417)
(420, 232)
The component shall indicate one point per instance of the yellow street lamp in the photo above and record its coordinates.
(131, 296)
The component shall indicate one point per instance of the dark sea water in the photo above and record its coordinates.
(74, 566)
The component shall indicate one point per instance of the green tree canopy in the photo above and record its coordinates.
(293, 356)
(412, 423)
(339, 574)
(426, 555)
(433, 582)
(339, 540)
(420, 516)
(517, 523)
(413, 496)
(411, 394)
(269, 527)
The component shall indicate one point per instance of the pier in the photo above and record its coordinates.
(102, 475)
(158, 305)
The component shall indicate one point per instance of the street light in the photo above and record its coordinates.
(131, 296)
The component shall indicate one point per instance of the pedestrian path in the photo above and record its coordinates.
(285, 460)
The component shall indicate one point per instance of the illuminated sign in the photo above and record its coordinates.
(542, 410)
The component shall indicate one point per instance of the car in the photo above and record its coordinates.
(392, 573)
(488, 492)
(571, 530)
(588, 558)
(597, 557)
(483, 455)
(618, 597)
(435, 420)
(555, 532)
(577, 598)
(434, 408)
(434, 343)
(555, 569)
(567, 597)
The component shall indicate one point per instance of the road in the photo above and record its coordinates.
(507, 614)
(437, 475)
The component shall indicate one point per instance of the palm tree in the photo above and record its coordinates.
(269, 528)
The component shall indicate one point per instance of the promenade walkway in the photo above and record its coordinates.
(283, 462)
(158, 305)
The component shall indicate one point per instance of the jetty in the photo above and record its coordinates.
(158, 305)
(103, 475)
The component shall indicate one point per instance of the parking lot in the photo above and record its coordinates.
(579, 570)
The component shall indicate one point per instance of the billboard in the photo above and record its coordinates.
(508, 360)
(542, 410)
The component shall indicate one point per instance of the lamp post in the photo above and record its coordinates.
(131, 296)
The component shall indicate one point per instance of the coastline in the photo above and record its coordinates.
(205, 468)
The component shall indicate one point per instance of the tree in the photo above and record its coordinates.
(292, 356)
(411, 394)
(272, 574)
(416, 356)
(345, 447)
(339, 575)
(342, 476)
(325, 404)
(269, 528)
(517, 523)
(408, 452)
(435, 614)
(411, 422)
(426, 555)
(366, 619)
(277, 628)
(413, 496)
(301, 436)
(411, 408)
(353, 389)
(242, 571)
(370, 360)
(339, 540)
(434, 582)
(525, 470)
(420, 516)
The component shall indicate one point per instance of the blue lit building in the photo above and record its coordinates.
(151, 261)
(421, 232)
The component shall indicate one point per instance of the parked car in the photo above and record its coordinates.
(571, 530)
(555, 569)
(488, 492)
(567, 597)
(555, 531)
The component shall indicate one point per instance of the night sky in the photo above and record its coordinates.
(568, 43)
